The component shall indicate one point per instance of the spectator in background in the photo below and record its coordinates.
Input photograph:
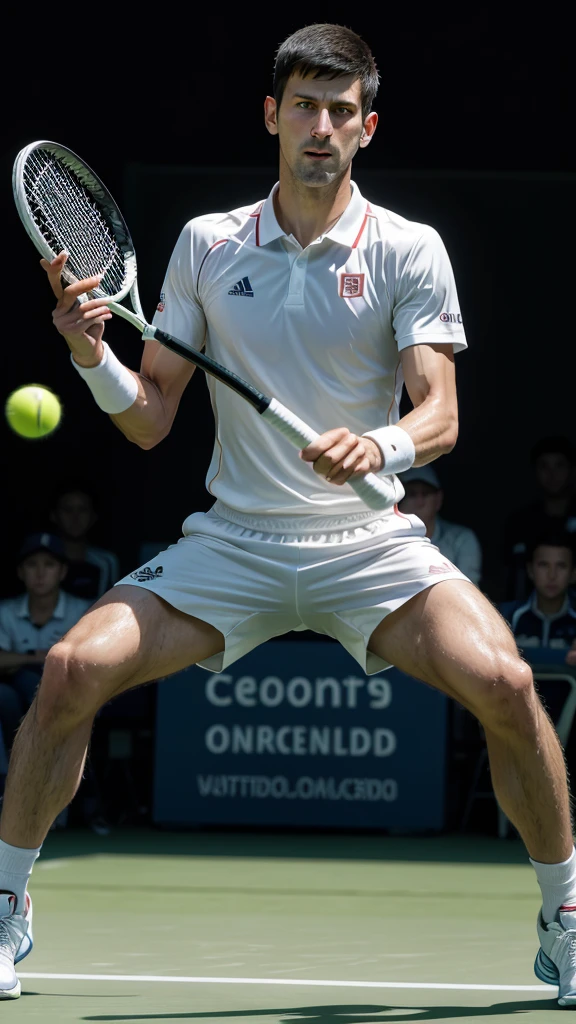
(424, 497)
(553, 461)
(91, 570)
(548, 617)
(31, 623)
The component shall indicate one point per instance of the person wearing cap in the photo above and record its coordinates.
(32, 622)
(424, 497)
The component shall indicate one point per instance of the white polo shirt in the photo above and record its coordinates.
(19, 634)
(318, 328)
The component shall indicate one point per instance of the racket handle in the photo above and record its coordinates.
(374, 492)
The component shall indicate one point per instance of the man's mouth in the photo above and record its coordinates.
(316, 154)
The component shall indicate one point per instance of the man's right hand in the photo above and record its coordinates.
(80, 324)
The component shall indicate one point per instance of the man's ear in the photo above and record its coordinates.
(270, 115)
(63, 572)
(370, 123)
(530, 571)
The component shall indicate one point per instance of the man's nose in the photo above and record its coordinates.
(323, 126)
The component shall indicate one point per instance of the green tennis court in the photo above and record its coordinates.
(330, 929)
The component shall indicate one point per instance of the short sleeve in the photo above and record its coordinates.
(179, 311)
(426, 308)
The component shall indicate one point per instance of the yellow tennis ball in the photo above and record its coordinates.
(33, 411)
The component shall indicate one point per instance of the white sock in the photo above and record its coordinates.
(15, 869)
(558, 885)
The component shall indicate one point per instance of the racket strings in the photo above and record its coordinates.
(69, 218)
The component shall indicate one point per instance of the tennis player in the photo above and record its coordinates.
(330, 303)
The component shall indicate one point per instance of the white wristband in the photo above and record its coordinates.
(397, 447)
(113, 386)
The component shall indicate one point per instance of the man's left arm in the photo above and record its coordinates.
(432, 424)
(429, 376)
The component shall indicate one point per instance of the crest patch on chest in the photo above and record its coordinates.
(351, 286)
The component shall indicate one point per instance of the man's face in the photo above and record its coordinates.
(320, 126)
(74, 515)
(554, 473)
(421, 500)
(551, 570)
(41, 573)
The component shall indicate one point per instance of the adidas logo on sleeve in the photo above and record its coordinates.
(243, 287)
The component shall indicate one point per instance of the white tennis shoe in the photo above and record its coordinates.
(555, 962)
(15, 942)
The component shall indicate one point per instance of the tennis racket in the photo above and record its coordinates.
(64, 205)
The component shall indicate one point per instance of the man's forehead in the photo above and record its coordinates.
(322, 88)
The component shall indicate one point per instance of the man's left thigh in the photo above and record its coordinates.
(453, 638)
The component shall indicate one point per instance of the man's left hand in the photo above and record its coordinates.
(338, 454)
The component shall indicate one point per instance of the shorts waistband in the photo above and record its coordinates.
(297, 524)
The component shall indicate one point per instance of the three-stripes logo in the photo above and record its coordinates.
(243, 287)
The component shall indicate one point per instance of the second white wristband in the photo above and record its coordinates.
(113, 386)
(397, 448)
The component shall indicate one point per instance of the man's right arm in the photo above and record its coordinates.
(163, 376)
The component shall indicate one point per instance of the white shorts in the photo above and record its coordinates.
(255, 578)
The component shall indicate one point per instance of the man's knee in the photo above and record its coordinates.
(74, 684)
(506, 699)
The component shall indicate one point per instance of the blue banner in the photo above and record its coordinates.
(296, 734)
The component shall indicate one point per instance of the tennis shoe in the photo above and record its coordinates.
(555, 962)
(15, 942)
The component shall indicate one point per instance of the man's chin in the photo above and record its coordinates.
(316, 175)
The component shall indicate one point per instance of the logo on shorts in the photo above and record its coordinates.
(451, 318)
(351, 286)
(147, 575)
(162, 304)
(444, 567)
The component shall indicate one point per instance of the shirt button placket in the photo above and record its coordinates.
(297, 280)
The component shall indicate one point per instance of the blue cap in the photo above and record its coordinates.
(47, 542)
(424, 473)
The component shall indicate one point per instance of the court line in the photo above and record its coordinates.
(174, 979)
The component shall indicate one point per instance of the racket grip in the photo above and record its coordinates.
(374, 492)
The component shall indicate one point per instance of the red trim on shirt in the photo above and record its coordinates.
(213, 246)
(401, 514)
(363, 225)
(256, 214)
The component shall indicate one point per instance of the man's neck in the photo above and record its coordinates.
(41, 609)
(75, 550)
(557, 506)
(307, 212)
(550, 605)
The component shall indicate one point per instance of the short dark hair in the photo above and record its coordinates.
(327, 51)
(556, 445)
(552, 538)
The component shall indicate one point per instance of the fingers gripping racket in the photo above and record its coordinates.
(64, 205)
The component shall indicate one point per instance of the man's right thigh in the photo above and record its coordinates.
(128, 637)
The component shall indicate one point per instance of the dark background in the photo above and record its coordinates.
(474, 137)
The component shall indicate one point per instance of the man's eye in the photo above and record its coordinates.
(304, 104)
(343, 110)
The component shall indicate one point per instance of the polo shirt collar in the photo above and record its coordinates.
(23, 607)
(565, 609)
(345, 231)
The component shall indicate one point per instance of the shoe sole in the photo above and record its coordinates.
(11, 993)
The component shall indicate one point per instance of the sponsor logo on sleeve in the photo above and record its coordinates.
(162, 304)
(351, 286)
(451, 318)
(147, 575)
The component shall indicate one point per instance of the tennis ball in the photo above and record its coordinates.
(33, 411)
